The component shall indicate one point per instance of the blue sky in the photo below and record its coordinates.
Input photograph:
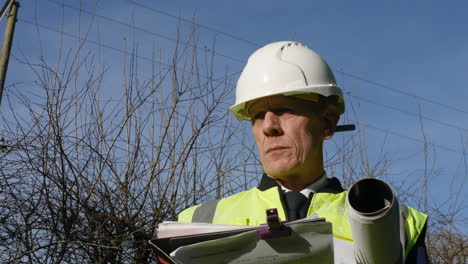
(394, 59)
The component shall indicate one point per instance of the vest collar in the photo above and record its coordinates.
(334, 185)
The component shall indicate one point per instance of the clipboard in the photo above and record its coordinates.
(274, 241)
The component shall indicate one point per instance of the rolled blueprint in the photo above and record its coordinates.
(375, 222)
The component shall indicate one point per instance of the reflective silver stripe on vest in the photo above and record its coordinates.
(205, 212)
(403, 238)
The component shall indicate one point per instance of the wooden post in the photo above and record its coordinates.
(6, 47)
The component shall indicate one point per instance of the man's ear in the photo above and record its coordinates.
(330, 117)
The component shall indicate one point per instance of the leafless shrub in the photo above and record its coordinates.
(87, 178)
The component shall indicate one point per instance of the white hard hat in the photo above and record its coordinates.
(288, 68)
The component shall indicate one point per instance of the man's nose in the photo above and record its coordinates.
(272, 124)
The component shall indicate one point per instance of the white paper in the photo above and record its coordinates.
(174, 229)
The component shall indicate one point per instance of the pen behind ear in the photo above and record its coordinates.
(343, 128)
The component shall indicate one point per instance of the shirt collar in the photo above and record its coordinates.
(313, 187)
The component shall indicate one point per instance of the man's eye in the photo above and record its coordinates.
(259, 115)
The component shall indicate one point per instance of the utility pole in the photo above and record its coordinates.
(7, 40)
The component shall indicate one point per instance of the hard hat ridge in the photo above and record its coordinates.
(288, 68)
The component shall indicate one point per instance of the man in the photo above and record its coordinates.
(290, 95)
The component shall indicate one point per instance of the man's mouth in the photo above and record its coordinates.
(276, 148)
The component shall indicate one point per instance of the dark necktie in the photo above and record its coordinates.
(296, 204)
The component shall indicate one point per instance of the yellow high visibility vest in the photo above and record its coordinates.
(248, 208)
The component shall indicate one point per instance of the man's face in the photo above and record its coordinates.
(289, 135)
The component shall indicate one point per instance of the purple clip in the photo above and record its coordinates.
(275, 227)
